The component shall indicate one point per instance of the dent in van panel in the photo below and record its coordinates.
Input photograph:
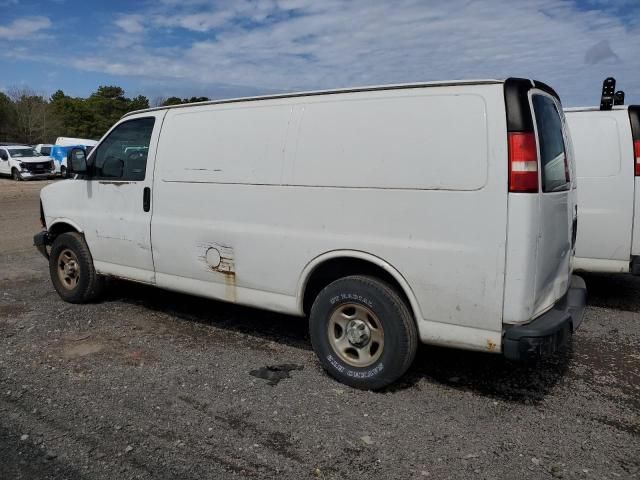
(424, 141)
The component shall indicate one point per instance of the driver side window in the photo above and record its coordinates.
(122, 155)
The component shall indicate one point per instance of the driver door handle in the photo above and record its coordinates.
(146, 199)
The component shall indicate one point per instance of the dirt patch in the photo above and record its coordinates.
(81, 349)
(7, 311)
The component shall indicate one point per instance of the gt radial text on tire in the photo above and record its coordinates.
(71, 269)
(363, 332)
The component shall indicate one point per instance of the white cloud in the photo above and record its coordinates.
(308, 44)
(24, 27)
(130, 23)
(198, 22)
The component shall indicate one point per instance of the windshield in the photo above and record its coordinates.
(45, 150)
(23, 153)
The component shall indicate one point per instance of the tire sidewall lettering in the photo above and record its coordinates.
(372, 372)
(344, 297)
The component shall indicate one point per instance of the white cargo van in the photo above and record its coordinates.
(607, 149)
(438, 212)
(72, 142)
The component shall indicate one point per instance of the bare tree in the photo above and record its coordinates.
(31, 110)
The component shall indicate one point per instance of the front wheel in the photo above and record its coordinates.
(15, 174)
(363, 332)
(71, 269)
(63, 172)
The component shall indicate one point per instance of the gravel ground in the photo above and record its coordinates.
(152, 384)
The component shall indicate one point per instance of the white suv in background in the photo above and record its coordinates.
(22, 162)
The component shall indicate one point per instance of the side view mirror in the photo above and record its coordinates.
(4, 156)
(76, 162)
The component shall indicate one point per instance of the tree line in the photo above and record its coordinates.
(28, 117)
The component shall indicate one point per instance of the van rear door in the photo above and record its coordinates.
(542, 207)
(557, 204)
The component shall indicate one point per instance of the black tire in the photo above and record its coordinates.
(400, 337)
(63, 172)
(89, 284)
(15, 174)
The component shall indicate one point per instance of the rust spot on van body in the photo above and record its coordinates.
(224, 264)
(491, 345)
(230, 286)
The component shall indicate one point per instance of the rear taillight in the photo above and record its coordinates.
(523, 162)
(636, 151)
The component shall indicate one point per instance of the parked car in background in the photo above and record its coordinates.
(438, 212)
(22, 162)
(607, 148)
(43, 148)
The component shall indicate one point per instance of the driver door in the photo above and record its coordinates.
(117, 218)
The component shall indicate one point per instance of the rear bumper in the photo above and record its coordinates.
(550, 331)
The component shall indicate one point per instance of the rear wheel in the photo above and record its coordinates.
(363, 332)
(15, 174)
(71, 269)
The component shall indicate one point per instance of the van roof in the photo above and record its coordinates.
(325, 92)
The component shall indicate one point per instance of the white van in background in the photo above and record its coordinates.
(607, 149)
(60, 150)
(43, 148)
(436, 212)
(72, 142)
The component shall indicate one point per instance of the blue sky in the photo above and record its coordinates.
(246, 47)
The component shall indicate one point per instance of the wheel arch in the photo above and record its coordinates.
(335, 264)
(63, 225)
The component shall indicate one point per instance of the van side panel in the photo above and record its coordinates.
(404, 189)
(241, 144)
(404, 141)
(605, 168)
